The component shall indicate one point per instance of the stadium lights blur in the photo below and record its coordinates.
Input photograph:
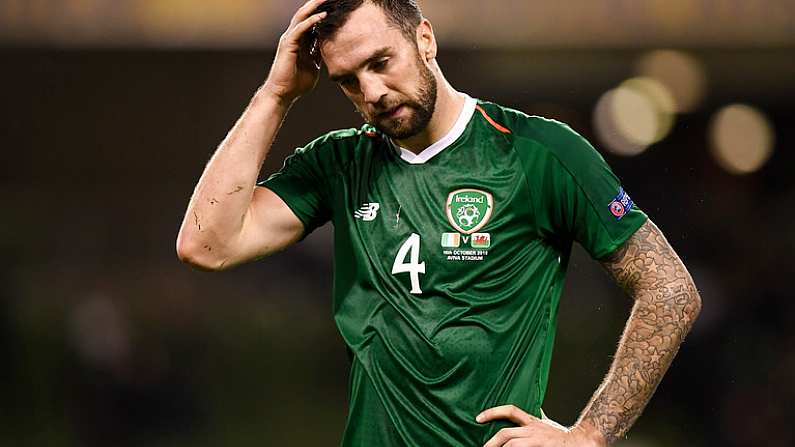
(634, 115)
(741, 139)
(682, 74)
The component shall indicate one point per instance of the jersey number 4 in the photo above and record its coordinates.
(410, 249)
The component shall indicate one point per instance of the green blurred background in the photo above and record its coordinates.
(110, 109)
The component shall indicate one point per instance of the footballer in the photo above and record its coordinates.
(454, 219)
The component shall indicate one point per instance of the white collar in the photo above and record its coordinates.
(458, 128)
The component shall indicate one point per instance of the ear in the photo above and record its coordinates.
(426, 40)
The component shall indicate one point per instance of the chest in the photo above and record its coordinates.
(436, 224)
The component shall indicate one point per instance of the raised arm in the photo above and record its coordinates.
(229, 220)
(666, 306)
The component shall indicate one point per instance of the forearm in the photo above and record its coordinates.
(666, 306)
(223, 194)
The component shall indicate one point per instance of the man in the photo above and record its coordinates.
(454, 220)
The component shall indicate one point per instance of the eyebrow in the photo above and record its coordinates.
(377, 54)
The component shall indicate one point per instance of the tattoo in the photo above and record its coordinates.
(196, 220)
(237, 190)
(666, 305)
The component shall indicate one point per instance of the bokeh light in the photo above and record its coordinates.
(633, 116)
(741, 138)
(682, 74)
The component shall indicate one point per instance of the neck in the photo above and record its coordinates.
(449, 104)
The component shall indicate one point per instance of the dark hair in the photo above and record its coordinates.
(405, 14)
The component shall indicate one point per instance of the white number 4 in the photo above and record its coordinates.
(414, 267)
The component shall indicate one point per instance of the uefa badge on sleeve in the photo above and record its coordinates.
(621, 204)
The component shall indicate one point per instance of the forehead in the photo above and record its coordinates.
(367, 30)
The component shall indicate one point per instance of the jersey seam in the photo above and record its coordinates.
(550, 327)
(576, 182)
(514, 135)
(530, 191)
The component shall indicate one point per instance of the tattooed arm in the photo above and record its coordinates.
(666, 305)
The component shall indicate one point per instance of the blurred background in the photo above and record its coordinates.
(111, 108)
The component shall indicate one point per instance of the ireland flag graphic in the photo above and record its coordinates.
(451, 240)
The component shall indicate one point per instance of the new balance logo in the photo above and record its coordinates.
(367, 212)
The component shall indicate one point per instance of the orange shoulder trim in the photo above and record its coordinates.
(496, 125)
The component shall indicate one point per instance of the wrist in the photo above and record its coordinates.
(272, 95)
(590, 434)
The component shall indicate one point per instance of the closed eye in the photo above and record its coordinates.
(380, 64)
(347, 81)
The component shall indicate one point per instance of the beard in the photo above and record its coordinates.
(421, 109)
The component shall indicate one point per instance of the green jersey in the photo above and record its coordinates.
(448, 264)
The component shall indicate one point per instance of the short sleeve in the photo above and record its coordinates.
(575, 193)
(303, 184)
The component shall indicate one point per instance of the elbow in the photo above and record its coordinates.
(687, 302)
(199, 255)
(680, 301)
(695, 304)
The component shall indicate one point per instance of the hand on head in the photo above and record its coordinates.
(296, 68)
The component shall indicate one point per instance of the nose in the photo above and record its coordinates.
(373, 89)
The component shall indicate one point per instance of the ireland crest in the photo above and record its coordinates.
(468, 210)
